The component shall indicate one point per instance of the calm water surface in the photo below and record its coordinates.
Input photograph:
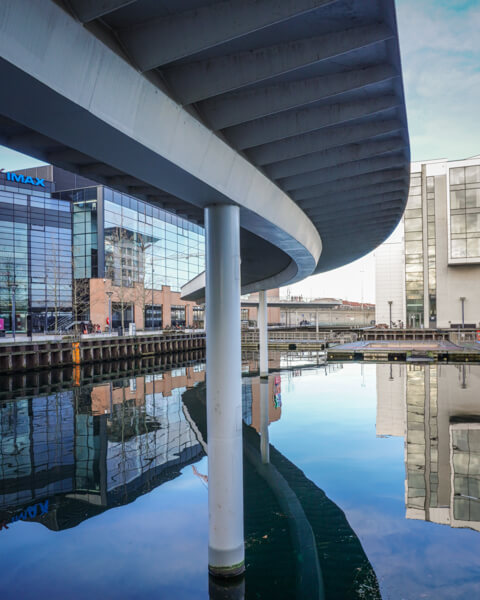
(103, 490)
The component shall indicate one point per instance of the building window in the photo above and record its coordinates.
(464, 217)
(154, 316)
(177, 316)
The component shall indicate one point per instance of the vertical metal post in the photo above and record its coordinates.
(109, 294)
(316, 324)
(226, 552)
(462, 300)
(390, 302)
(263, 332)
(14, 324)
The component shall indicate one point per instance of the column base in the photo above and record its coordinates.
(227, 572)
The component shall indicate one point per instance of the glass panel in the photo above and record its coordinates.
(472, 174)
(473, 222)
(458, 248)
(457, 176)
(457, 199)
(473, 247)
(473, 198)
(413, 247)
(458, 223)
(413, 224)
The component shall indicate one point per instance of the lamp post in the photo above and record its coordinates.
(390, 302)
(462, 300)
(13, 288)
(109, 294)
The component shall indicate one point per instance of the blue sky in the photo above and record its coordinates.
(439, 42)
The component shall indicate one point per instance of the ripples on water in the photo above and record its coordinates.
(103, 483)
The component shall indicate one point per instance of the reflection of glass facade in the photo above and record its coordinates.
(413, 221)
(465, 213)
(436, 408)
(465, 440)
(35, 256)
(100, 445)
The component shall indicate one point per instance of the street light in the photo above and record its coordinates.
(390, 302)
(109, 294)
(462, 300)
(13, 287)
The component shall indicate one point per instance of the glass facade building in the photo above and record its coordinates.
(139, 247)
(35, 257)
(429, 268)
(60, 236)
(131, 242)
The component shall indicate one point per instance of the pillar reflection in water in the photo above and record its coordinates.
(226, 589)
(264, 420)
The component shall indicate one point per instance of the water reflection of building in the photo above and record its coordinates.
(83, 450)
(66, 456)
(441, 424)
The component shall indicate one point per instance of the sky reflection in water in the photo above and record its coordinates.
(156, 545)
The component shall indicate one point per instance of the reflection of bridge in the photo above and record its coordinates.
(294, 532)
(436, 408)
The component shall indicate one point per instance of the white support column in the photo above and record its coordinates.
(264, 441)
(226, 553)
(263, 332)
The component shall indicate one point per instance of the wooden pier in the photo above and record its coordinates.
(296, 339)
(31, 355)
(433, 350)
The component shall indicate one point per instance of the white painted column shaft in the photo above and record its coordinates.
(224, 391)
(263, 332)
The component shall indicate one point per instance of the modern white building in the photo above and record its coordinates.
(428, 271)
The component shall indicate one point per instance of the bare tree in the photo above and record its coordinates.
(119, 268)
(52, 280)
(141, 278)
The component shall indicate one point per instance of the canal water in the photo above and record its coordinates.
(372, 489)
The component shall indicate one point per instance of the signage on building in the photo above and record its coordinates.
(23, 179)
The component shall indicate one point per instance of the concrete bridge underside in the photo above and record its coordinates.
(292, 110)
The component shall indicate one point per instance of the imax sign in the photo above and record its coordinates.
(24, 179)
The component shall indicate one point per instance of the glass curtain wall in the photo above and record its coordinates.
(465, 213)
(35, 259)
(146, 247)
(413, 223)
(431, 237)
